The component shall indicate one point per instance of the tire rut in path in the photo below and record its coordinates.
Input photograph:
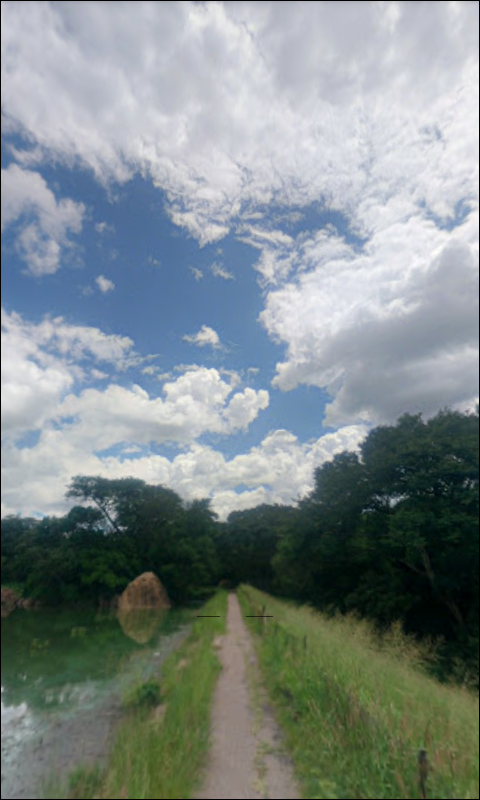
(247, 759)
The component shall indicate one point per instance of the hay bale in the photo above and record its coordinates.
(147, 591)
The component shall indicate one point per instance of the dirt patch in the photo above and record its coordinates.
(159, 714)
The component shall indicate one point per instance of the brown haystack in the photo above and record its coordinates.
(147, 591)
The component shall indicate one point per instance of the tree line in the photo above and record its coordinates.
(390, 533)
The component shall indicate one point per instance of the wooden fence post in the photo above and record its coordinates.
(423, 773)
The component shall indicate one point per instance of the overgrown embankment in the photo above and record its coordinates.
(362, 718)
(164, 738)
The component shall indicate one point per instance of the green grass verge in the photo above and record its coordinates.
(357, 712)
(160, 752)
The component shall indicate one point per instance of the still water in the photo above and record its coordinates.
(63, 678)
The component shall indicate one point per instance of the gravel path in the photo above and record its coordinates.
(247, 759)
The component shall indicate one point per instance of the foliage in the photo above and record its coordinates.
(390, 533)
(147, 694)
(357, 716)
(91, 554)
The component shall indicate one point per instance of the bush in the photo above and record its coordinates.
(145, 695)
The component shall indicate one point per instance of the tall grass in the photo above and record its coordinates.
(358, 712)
(160, 752)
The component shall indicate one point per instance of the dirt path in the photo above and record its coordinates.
(246, 760)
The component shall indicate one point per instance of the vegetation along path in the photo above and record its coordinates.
(247, 760)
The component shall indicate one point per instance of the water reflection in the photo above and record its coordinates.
(43, 656)
(141, 626)
(65, 673)
(50, 659)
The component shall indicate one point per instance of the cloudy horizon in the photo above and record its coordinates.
(235, 236)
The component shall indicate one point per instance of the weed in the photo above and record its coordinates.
(145, 695)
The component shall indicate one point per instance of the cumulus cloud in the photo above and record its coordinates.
(105, 284)
(351, 102)
(45, 224)
(32, 381)
(206, 337)
(369, 109)
(388, 330)
(42, 362)
(279, 470)
(194, 404)
(44, 369)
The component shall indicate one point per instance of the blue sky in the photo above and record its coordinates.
(235, 236)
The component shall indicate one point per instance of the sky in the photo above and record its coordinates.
(235, 237)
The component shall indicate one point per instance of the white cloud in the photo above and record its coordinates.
(197, 273)
(198, 224)
(154, 262)
(368, 108)
(279, 470)
(98, 375)
(218, 271)
(263, 236)
(45, 223)
(206, 337)
(33, 381)
(104, 227)
(44, 371)
(385, 331)
(351, 102)
(78, 342)
(105, 284)
(41, 362)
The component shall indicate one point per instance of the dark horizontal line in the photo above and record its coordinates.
(208, 616)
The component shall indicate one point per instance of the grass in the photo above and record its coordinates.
(147, 694)
(160, 752)
(357, 712)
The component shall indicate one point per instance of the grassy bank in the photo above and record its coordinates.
(357, 714)
(163, 739)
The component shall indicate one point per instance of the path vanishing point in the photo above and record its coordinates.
(247, 759)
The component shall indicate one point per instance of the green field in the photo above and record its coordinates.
(358, 712)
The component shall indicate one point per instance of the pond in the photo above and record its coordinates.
(64, 675)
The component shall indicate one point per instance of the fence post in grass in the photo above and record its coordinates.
(423, 773)
(305, 643)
